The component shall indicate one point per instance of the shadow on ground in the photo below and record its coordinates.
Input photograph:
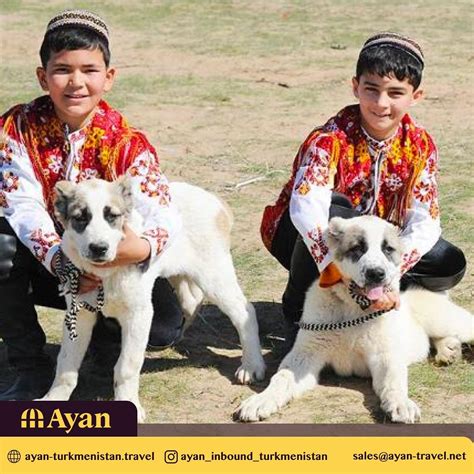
(211, 342)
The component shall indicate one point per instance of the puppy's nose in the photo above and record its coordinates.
(375, 275)
(99, 249)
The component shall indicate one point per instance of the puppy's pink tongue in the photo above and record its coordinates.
(375, 293)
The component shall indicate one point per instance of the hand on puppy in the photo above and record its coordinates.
(131, 249)
(88, 282)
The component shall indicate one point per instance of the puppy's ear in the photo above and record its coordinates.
(64, 192)
(335, 230)
(124, 187)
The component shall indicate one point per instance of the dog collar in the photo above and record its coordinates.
(68, 275)
(361, 300)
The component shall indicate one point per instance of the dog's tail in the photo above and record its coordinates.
(439, 316)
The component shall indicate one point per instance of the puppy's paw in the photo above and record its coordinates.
(56, 394)
(250, 372)
(256, 408)
(448, 350)
(402, 410)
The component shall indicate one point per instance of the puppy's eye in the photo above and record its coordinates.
(79, 218)
(110, 215)
(356, 249)
(388, 248)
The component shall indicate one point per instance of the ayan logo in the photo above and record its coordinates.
(34, 418)
(74, 418)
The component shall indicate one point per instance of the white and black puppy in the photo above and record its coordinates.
(367, 253)
(197, 262)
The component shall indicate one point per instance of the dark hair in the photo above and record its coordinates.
(386, 60)
(71, 38)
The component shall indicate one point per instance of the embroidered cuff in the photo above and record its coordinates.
(157, 239)
(145, 264)
(49, 257)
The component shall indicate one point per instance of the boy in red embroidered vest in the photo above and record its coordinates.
(71, 134)
(370, 158)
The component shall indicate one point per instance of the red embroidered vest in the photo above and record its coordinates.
(350, 167)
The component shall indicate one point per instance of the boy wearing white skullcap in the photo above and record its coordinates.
(70, 134)
(370, 158)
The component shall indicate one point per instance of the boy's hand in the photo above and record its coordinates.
(132, 249)
(389, 300)
(88, 282)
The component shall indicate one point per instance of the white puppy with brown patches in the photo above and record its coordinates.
(367, 253)
(198, 264)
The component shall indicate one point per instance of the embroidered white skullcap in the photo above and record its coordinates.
(395, 40)
(82, 18)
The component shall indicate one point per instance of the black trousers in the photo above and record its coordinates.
(24, 283)
(440, 269)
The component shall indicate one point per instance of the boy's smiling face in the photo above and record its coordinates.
(383, 102)
(76, 81)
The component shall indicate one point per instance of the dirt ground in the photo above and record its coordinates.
(227, 91)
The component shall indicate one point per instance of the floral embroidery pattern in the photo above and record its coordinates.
(152, 187)
(317, 172)
(54, 163)
(9, 182)
(88, 173)
(434, 209)
(139, 168)
(423, 192)
(43, 243)
(426, 190)
(160, 236)
(409, 260)
(343, 162)
(95, 136)
(314, 175)
(47, 146)
(151, 184)
(5, 156)
(393, 182)
(5, 160)
(319, 248)
(109, 147)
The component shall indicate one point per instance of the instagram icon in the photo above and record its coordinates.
(171, 456)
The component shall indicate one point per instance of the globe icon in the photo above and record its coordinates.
(13, 456)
